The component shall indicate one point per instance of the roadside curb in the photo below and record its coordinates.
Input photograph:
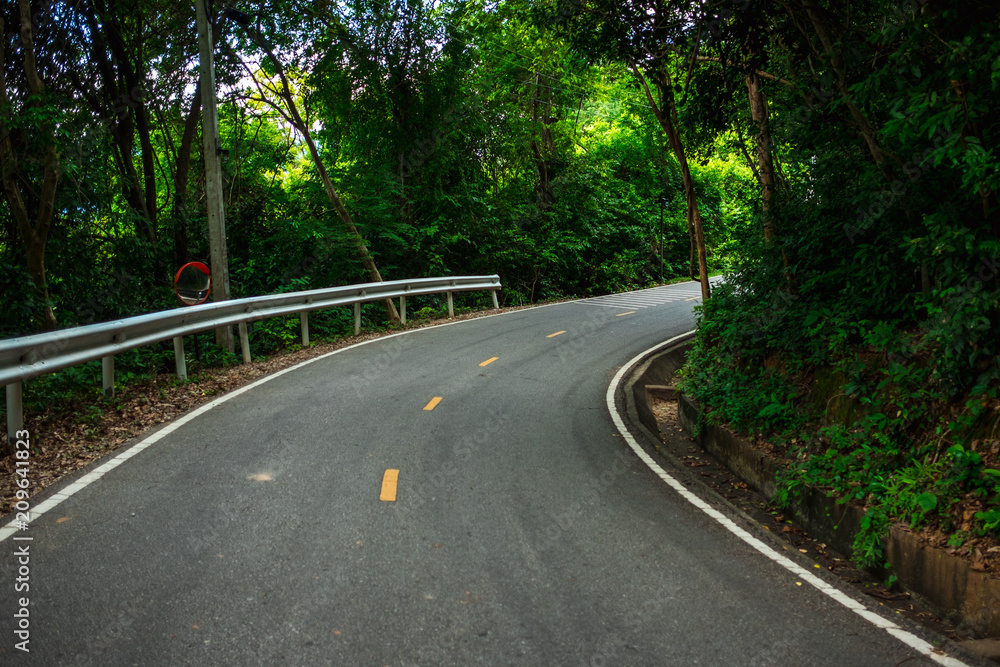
(947, 585)
(629, 380)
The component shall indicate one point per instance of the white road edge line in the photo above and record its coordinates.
(112, 463)
(908, 638)
(95, 474)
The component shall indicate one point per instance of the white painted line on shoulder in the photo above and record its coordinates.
(908, 638)
(92, 476)
(55, 499)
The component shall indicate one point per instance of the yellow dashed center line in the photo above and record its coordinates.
(693, 298)
(489, 361)
(631, 312)
(555, 334)
(433, 403)
(389, 480)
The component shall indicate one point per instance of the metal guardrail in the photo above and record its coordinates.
(30, 356)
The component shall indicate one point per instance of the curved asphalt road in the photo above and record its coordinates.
(525, 531)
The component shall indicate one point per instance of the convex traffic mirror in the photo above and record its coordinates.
(192, 283)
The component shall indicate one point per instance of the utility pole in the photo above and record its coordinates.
(213, 172)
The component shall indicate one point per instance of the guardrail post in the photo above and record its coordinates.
(179, 359)
(108, 375)
(18, 358)
(244, 342)
(15, 413)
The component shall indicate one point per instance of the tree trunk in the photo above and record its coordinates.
(296, 121)
(666, 114)
(181, 172)
(401, 101)
(121, 96)
(882, 157)
(542, 148)
(692, 244)
(765, 164)
(766, 174)
(34, 237)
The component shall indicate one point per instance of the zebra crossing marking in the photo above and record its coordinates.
(647, 298)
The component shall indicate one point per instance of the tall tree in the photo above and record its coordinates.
(646, 35)
(30, 195)
(182, 170)
(738, 44)
(280, 96)
(117, 51)
(666, 114)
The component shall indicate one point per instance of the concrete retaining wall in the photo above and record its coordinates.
(945, 584)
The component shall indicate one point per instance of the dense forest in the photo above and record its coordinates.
(458, 139)
(837, 160)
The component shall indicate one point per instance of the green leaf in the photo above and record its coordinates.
(770, 410)
(927, 501)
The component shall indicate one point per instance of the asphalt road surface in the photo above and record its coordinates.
(524, 530)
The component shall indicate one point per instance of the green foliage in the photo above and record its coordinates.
(733, 379)
(434, 122)
(990, 520)
(514, 139)
(882, 275)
